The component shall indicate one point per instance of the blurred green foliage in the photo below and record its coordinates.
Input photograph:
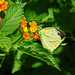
(49, 13)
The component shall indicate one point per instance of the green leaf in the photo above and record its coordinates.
(5, 42)
(49, 17)
(15, 36)
(73, 2)
(2, 54)
(18, 61)
(2, 57)
(18, 2)
(36, 64)
(31, 15)
(37, 51)
(11, 22)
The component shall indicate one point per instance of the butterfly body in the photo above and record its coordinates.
(50, 38)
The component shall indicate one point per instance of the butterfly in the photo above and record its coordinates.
(51, 37)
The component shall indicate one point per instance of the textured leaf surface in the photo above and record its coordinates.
(37, 51)
(5, 42)
(13, 15)
(15, 36)
(18, 61)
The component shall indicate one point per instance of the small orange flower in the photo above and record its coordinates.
(35, 35)
(23, 29)
(33, 26)
(26, 36)
(23, 19)
(3, 5)
(1, 1)
(24, 22)
(33, 23)
(26, 32)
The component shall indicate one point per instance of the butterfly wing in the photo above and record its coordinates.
(49, 39)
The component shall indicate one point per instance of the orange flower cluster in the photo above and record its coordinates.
(27, 31)
(3, 5)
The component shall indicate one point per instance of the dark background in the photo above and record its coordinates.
(65, 55)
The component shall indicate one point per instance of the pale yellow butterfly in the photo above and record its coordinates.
(51, 37)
